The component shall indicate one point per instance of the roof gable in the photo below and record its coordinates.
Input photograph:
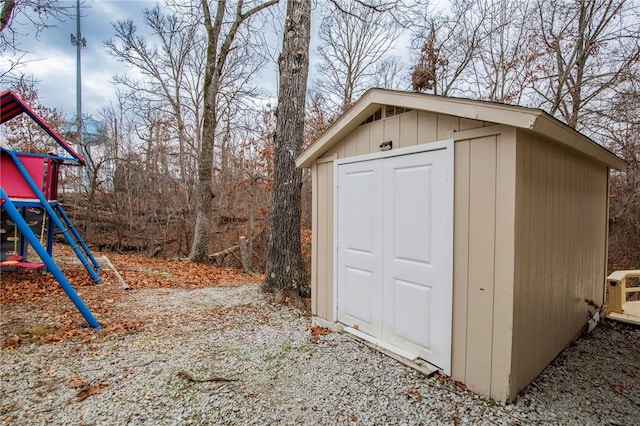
(531, 119)
(11, 105)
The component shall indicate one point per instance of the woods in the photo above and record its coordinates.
(194, 155)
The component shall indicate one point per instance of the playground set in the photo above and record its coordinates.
(30, 211)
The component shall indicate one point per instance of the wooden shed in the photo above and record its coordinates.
(469, 234)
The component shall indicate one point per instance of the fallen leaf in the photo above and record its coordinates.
(91, 390)
(414, 394)
(76, 383)
(630, 373)
(315, 331)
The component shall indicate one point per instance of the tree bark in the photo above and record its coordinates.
(285, 272)
(5, 13)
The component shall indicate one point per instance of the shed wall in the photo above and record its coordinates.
(561, 220)
(483, 254)
(404, 130)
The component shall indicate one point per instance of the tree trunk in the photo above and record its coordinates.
(216, 60)
(285, 272)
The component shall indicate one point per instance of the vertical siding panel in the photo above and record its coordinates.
(376, 136)
(392, 130)
(314, 239)
(565, 234)
(573, 252)
(427, 127)
(580, 266)
(362, 139)
(515, 361)
(604, 214)
(460, 260)
(323, 238)
(602, 185)
(481, 263)
(556, 228)
(350, 148)
(521, 293)
(532, 301)
(594, 212)
(447, 124)
(539, 284)
(548, 329)
(330, 243)
(408, 129)
(504, 265)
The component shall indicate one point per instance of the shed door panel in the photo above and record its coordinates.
(360, 242)
(416, 291)
(393, 282)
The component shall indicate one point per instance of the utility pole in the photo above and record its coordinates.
(80, 43)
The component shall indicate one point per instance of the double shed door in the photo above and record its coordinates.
(394, 257)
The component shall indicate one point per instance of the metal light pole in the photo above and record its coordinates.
(80, 43)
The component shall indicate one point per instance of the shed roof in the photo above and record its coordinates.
(531, 119)
(11, 105)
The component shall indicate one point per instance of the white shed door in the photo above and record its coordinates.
(394, 279)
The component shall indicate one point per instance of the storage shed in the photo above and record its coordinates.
(469, 234)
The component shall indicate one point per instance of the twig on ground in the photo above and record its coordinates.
(188, 376)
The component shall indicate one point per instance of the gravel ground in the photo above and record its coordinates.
(228, 356)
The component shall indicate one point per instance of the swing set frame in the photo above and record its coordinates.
(29, 184)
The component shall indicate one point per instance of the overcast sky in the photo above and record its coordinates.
(53, 57)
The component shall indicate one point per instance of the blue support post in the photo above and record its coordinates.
(52, 214)
(24, 228)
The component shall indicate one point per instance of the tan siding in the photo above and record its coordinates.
(484, 227)
(461, 260)
(404, 130)
(350, 145)
(408, 130)
(560, 226)
(324, 256)
(314, 239)
(392, 130)
(503, 260)
(362, 140)
(482, 169)
(447, 124)
(376, 136)
(427, 127)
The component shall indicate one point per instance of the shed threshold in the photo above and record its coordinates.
(400, 355)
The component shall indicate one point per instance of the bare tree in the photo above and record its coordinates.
(592, 46)
(449, 43)
(222, 26)
(285, 272)
(171, 71)
(618, 125)
(354, 39)
(26, 18)
(505, 62)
